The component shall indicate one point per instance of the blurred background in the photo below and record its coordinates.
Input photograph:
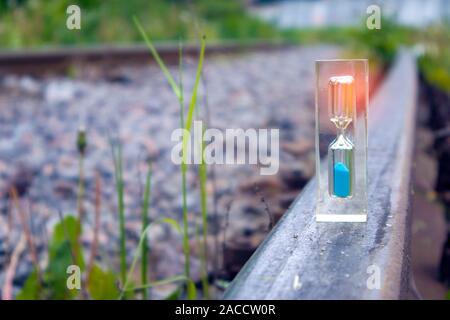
(86, 117)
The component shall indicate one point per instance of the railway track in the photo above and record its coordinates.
(58, 60)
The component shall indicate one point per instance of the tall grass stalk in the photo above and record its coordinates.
(203, 175)
(80, 188)
(94, 246)
(178, 91)
(118, 176)
(185, 146)
(203, 245)
(81, 146)
(186, 247)
(180, 81)
(212, 177)
(179, 94)
(145, 206)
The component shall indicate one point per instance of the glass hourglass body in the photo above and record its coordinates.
(341, 102)
(341, 140)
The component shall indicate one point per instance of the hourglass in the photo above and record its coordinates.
(341, 140)
(341, 102)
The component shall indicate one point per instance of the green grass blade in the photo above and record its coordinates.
(81, 146)
(178, 90)
(156, 56)
(193, 102)
(180, 76)
(123, 261)
(145, 206)
(191, 290)
(80, 195)
(187, 130)
(203, 175)
(138, 250)
(183, 168)
(118, 177)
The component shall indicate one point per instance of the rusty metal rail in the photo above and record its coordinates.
(58, 59)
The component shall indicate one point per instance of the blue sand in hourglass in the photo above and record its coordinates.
(341, 180)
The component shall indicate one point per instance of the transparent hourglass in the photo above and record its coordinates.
(341, 140)
(341, 101)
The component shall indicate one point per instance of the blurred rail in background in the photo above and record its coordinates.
(57, 60)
